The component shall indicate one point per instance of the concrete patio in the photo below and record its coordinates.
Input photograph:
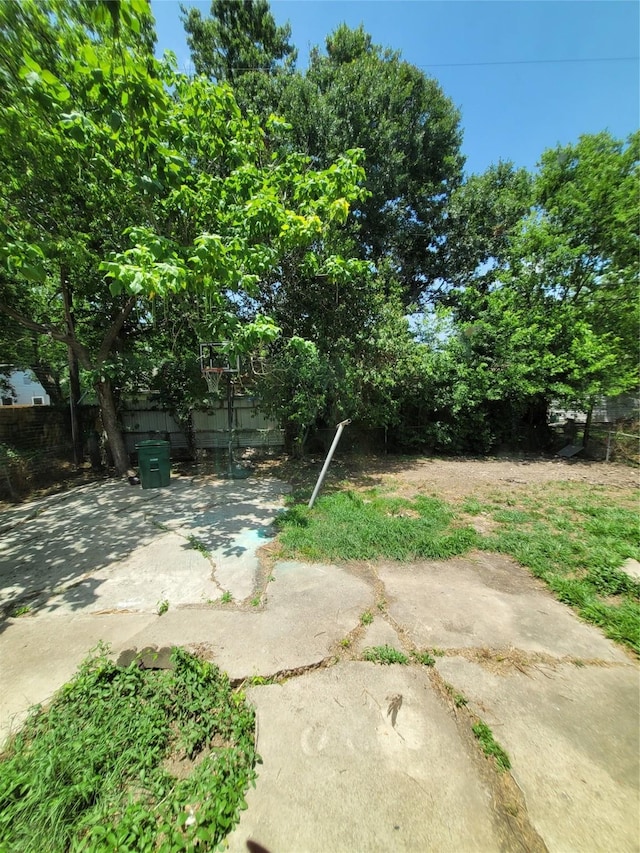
(357, 756)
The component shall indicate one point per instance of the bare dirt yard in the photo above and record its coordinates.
(455, 479)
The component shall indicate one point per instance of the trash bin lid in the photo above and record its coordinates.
(152, 442)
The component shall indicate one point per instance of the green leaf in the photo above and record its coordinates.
(115, 120)
(33, 273)
(30, 63)
(49, 78)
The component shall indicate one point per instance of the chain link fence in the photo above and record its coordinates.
(35, 448)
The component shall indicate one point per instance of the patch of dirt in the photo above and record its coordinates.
(457, 479)
(181, 767)
(451, 479)
(482, 524)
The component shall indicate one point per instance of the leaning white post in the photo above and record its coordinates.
(327, 461)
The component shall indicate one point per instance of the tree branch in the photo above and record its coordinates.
(56, 334)
(114, 330)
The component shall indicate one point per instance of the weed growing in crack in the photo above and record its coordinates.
(256, 601)
(490, 746)
(366, 618)
(226, 597)
(95, 771)
(198, 545)
(385, 655)
(21, 611)
(424, 658)
(458, 699)
(345, 642)
(162, 606)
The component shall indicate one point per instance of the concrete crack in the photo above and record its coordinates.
(514, 827)
(506, 660)
(511, 817)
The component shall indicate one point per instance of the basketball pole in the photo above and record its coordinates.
(230, 422)
(327, 461)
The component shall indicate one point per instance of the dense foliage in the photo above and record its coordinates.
(129, 187)
(130, 759)
(144, 211)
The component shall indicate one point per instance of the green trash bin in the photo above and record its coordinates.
(154, 463)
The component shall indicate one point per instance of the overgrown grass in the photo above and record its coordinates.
(576, 541)
(96, 771)
(572, 536)
(348, 526)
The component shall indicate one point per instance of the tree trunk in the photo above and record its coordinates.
(587, 427)
(110, 424)
(74, 370)
(74, 396)
(538, 432)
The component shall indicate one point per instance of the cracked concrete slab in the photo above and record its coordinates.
(378, 633)
(345, 761)
(362, 757)
(38, 655)
(94, 546)
(573, 739)
(487, 601)
(309, 608)
(167, 568)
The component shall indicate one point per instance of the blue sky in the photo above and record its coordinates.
(509, 111)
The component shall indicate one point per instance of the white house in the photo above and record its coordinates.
(24, 389)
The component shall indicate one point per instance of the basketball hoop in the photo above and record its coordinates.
(212, 376)
(216, 356)
(214, 362)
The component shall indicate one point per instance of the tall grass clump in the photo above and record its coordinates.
(350, 526)
(129, 759)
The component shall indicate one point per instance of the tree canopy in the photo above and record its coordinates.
(127, 183)
(354, 94)
(308, 212)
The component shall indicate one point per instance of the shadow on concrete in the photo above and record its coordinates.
(48, 558)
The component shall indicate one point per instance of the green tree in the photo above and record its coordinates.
(482, 214)
(346, 297)
(356, 94)
(128, 185)
(359, 94)
(240, 44)
(557, 315)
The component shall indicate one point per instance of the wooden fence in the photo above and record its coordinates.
(251, 428)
